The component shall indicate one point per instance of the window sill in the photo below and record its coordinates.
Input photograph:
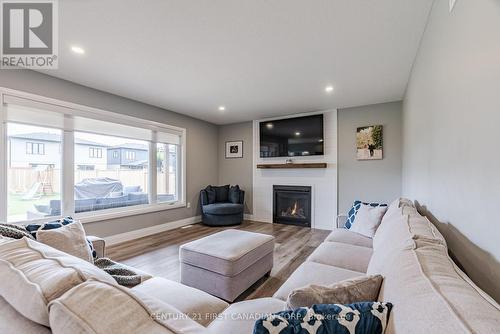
(96, 216)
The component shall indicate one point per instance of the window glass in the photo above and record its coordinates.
(167, 172)
(102, 179)
(33, 172)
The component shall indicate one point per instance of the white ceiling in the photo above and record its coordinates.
(259, 58)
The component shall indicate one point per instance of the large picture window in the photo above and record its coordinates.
(65, 159)
(33, 178)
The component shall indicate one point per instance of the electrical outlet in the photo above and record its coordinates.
(188, 205)
(452, 4)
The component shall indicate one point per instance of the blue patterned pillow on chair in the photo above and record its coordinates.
(358, 318)
(354, 210)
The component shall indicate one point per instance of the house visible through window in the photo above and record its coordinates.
(95, 152)
(35, 148)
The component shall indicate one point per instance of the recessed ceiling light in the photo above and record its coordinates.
(329, 89)
(297, 133)
(77, 50)
(222, 108)
(321, 140)
(269, 125)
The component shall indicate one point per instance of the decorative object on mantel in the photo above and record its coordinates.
(293, 165)
(369, 142)
(289, 161)
(234, 149)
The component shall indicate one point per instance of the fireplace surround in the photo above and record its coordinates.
(292, 205)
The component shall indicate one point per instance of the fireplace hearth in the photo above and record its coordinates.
(292, 205)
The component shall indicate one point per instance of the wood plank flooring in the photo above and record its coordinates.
(159, 254)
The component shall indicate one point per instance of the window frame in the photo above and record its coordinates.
(69, 109)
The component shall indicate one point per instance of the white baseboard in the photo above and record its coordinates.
(248, 216)
(256, 218)
(144, 232)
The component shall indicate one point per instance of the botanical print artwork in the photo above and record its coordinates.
(369, 142)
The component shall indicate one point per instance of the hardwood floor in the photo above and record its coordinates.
(159, 254)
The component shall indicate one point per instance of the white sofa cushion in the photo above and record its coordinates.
(346, 236)
(103, 308)
(12, 322)
(428, 289)
(342, 255)
(198, 305)
(313, 273)
(368, 219)
(33, 274)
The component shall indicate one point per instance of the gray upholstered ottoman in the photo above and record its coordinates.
(227, 263)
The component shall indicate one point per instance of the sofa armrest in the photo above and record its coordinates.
(99, 245)
(340, 221)
(242, 196)
(203, 198)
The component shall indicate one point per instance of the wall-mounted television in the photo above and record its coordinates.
(292, 137)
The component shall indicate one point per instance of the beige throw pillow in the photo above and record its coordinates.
(70, 239)
(359, 289)
(368, 220)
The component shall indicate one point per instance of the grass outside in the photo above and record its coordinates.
(17, 206)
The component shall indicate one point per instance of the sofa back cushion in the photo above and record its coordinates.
(431, 295)
(33, 274)
(99, 307)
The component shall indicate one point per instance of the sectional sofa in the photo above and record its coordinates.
(430, 294)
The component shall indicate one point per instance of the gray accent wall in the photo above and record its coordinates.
(369, 180)
(202, 161)
(239, 170)
(451, 119)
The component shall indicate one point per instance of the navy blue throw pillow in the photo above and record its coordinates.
(234, 194)
(358, 318)
(354, 211)
(221, 193)
(210, 194)
(33, 228)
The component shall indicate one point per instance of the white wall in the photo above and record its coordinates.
(323, 181)
(237, 171)
(369, 180)
(451, 119)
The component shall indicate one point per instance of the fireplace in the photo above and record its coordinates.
(292, 205)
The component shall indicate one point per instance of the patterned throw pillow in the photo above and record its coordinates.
(354, 210)
(358, 318)
(33, 228)
(14, 231)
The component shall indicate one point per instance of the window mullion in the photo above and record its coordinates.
(152, 166)
(3, 168)
(68, 174)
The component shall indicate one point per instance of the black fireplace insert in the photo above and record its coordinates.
(292, 205)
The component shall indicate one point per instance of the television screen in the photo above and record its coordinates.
(292, 137)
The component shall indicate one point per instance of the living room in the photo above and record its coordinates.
(249, 167)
